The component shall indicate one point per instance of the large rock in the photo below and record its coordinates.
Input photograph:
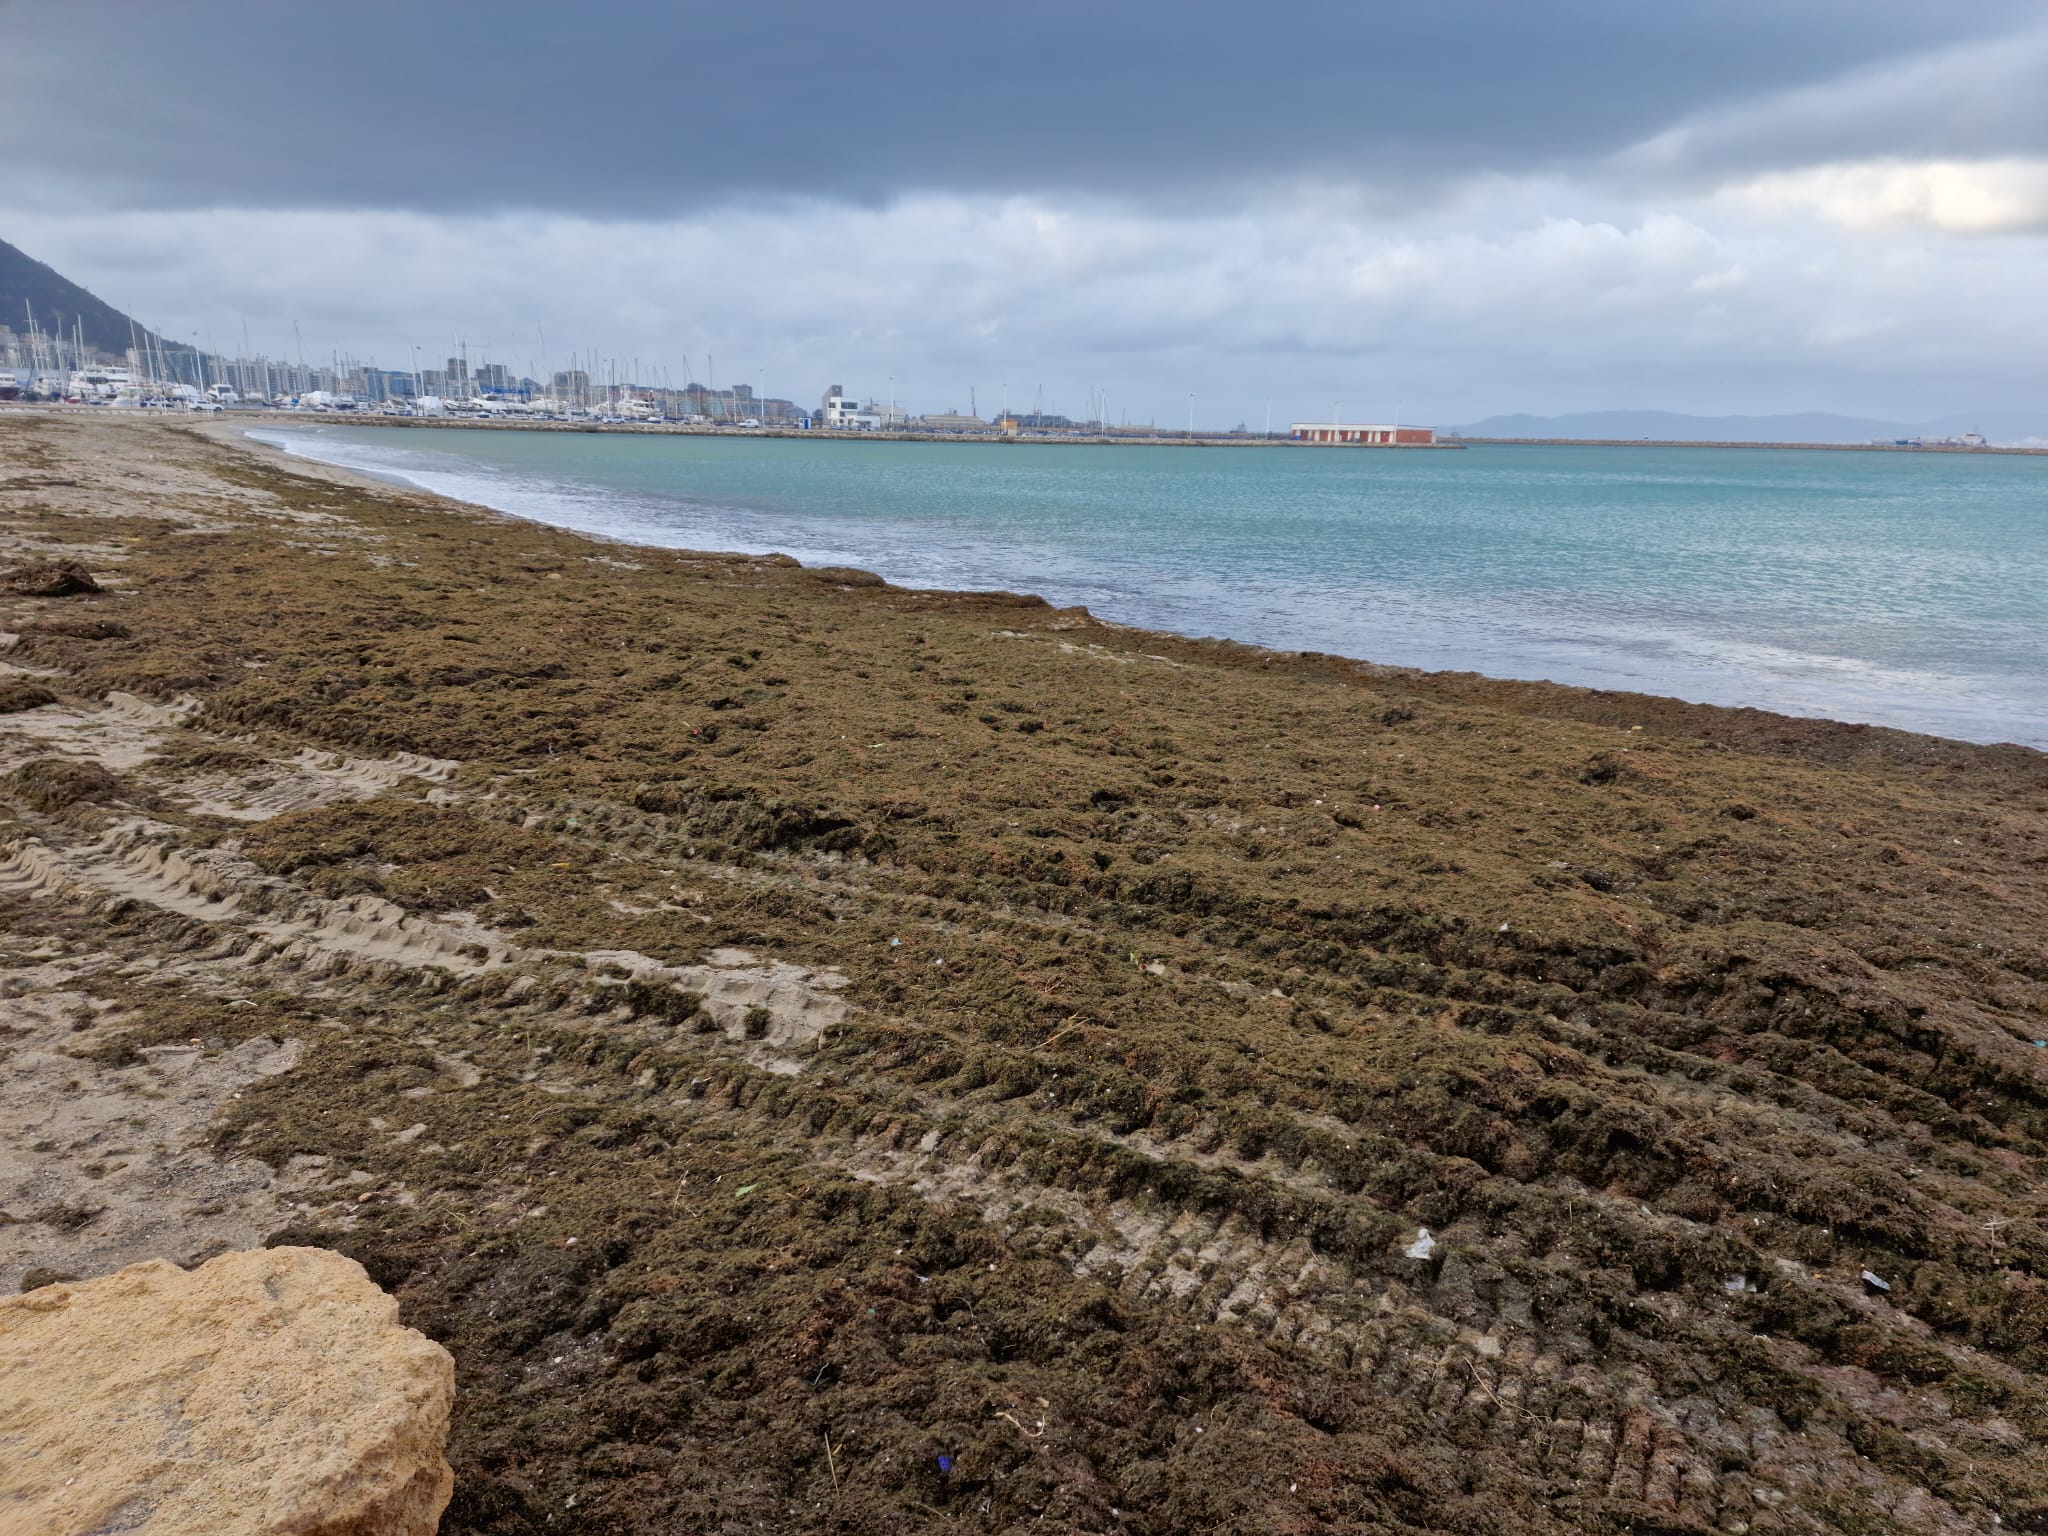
(265, 1393)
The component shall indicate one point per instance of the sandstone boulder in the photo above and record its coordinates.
(265, 1393)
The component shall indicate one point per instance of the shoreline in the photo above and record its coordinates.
(1126, 440)
(822, 434)
(1820, 712)
(1825, 734)
(1086, 440)
(1115, 439)
(729, 1003)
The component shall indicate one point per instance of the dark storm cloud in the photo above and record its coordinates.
(1980, 97)
(648, 109)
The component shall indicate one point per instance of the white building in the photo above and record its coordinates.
(838, 411)
(841, 412)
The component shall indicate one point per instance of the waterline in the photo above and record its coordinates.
(1901, 591)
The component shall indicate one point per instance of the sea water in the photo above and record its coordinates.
(1901, 589)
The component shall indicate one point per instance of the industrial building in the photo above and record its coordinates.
(947, 421)
(1362, 435)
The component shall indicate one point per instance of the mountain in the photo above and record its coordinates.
(1800, 427)
(60, 305)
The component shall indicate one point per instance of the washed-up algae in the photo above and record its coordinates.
(1183, 985)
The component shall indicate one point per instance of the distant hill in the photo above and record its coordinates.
(60, 304)
(1802, 427)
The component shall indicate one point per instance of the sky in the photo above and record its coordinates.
(1437, 210)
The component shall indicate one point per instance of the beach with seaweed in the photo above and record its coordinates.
(829, 1056)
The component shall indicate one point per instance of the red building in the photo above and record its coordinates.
(1363, 435)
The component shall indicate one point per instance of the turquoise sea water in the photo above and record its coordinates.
(1902, 589)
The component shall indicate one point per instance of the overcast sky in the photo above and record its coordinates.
(1446, 207)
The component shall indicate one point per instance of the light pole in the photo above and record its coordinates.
(1191, 413)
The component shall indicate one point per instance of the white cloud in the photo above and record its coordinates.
(1720, 304)
(1960, 197)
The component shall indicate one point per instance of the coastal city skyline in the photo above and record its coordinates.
(75, 353)
(54, 360)
(84, 350)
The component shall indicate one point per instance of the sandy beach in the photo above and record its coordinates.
(829, 1057)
